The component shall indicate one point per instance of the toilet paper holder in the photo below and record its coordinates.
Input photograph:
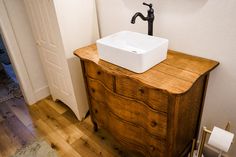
(205, 131)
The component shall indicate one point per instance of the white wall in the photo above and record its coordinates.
(78, 23)
(205, 28)
(23, 33)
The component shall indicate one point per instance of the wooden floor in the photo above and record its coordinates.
(55, 123)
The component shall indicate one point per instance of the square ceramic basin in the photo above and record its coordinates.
(133, 51)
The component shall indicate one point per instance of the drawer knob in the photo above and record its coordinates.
(153, 123)
(93, 90)
(141, 90)
(99, 72)
(152, 148)
(96, 111)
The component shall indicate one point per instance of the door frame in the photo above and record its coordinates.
(15, 55)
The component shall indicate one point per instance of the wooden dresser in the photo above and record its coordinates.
(156, 113)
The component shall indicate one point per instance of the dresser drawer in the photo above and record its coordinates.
(134, 107)
(99, 113)
(128, 109)
(95, 72)
(128, 133)
(136, 90)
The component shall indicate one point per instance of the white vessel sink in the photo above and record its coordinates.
(134, 51)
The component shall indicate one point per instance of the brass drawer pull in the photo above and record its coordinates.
(99, 72)
(153, 123)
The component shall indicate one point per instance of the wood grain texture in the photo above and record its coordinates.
(154, 97)
(156, 113)
(55, 123)
(176, 74)
(127, 109)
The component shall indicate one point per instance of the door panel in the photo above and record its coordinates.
(52, 58)
(47, 34)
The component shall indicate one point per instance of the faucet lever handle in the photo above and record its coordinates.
(149, 5)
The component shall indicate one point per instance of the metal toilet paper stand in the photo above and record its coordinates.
(205, 131)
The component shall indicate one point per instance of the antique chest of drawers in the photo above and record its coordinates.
(156, 113)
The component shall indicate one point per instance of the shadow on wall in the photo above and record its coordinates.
(191, 6)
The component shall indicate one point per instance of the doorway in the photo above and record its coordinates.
(17, 36)
(9, 85)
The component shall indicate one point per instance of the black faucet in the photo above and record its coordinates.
(150, 18)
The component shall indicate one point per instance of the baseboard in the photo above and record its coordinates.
(41, 93)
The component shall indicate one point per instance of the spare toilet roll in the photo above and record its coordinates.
(221, 139)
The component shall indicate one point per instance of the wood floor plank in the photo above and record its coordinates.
(87, 147)
(70, 116)
(47, 110)
(103, 139)
(70, 132)
(67, 131)
(63, 126)
(62, 147)
(19, 125)
(7, 139)
(57, 106)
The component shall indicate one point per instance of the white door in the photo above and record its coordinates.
(47, 34)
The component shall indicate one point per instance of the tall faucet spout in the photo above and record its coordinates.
(150, 18)
(136, 15)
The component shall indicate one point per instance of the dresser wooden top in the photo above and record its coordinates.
(175, 75)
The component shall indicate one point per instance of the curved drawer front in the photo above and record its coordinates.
(94, 71)
(99, 113)
(129, 110)
(134, 89)
(136, 137)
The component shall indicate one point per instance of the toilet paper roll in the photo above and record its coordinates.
(221, 139)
